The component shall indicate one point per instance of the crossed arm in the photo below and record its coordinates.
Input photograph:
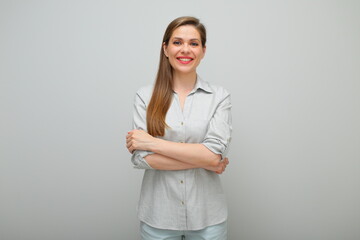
(170, 155)
(156, 153)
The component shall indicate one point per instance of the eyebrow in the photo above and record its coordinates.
(190, 39)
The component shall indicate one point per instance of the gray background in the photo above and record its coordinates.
(69, 71)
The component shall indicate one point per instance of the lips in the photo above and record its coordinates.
(184, 60)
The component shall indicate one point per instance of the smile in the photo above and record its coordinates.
(184, 60)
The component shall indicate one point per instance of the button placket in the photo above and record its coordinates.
(183, 190)
(180, 115)
(186, 112)
(182, 137)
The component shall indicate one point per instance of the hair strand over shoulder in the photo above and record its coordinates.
(163, 90)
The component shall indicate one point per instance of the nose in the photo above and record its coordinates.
(185, 48)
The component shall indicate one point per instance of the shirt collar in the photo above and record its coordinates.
(201, 84)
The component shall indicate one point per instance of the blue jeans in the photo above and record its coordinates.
(215, 232)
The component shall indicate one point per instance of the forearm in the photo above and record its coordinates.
(190, 153)
(161, 162)
(193, 153)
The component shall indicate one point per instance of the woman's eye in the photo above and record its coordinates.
(194, 44)
(176, 42)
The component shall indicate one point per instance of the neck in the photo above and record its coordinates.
(184, 81)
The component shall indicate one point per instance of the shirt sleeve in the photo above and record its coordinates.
(218, 135)
(139, 122)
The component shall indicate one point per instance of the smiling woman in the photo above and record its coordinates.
(182, 130)
(184, 50)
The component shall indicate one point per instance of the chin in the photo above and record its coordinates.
(185, 70)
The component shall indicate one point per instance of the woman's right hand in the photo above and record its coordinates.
(220, 167)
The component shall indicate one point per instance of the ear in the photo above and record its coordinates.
(204, 51)
(165, 49)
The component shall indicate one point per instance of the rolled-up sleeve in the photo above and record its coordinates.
(218, 135)
(139, 122)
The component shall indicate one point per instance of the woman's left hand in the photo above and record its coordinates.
(139, 140)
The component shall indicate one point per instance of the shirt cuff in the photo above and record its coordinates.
(138, 159)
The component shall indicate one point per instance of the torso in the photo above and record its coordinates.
(185, 199)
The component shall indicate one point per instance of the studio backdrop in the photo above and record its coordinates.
(69, 71)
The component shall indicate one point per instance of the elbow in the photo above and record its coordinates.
(212, 156)
(214, 160)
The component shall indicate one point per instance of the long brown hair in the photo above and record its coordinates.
(162, 94)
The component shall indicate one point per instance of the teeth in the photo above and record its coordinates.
(185, 59)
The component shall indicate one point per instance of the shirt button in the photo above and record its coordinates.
(181, 181)
(182, 202)
(182, 123)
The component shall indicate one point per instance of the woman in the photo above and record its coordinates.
(182, 130)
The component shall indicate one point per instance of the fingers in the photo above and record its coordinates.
(128, 136)
(223, 165)
(131, 150)
(129, 142)
(128, 145)
(132, 139)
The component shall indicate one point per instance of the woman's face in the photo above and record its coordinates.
(185, 50)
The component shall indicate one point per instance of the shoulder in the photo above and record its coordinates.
(145, 93)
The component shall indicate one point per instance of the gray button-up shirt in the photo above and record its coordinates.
(186, 199)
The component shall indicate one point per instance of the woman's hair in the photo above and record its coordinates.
(162, 94)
